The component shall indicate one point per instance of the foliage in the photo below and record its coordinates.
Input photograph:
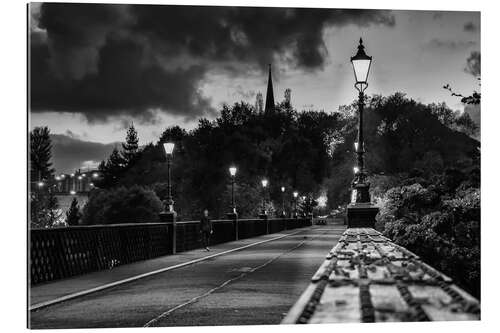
(73, 215)
(111, 170)
(401, 136)
(40, 154)
(439, 221)
(131, 146)
(44, 209)
(122, 205)
(290, 148)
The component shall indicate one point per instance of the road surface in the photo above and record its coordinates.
(256, 285)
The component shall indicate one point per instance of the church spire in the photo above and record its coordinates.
(270, 94)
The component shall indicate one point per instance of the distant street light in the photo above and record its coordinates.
(169, 212)
(232, 172)
(264, 186)
(295, 196)
(95, 175)
(72, 192)
(283, 213)
(40, 184)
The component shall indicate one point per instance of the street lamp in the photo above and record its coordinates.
(295, 195)
(283, 213)
(232, 172)
(361, 64)
(360, 212)
(168, 215)
(264, 185)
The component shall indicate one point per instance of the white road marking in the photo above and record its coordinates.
(141, 276)
(222, 285)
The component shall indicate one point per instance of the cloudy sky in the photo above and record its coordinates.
(96, 68)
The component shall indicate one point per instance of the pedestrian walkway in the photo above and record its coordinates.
(61, 290)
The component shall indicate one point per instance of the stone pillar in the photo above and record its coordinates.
(361, 215)
(170, 218)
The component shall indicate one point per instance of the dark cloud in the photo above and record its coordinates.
(452, 45)
(473, 66)
(137, 60)
(69, 153)
(470, 27)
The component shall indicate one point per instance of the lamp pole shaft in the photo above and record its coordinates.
(361, 144)
(232, 194)
(283, 202)
(169, 183)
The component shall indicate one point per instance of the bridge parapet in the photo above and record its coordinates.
(368, 278)
(62, 252)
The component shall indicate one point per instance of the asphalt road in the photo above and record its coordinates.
(257, 285)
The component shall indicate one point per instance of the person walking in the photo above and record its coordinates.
(206, 229)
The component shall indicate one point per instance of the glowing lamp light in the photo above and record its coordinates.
(356, 146)
(356, 169)
(361, 64)
(264, 182)
(58, 178)
(169, 148)
(72, 192)
(95, 175)
(40, 184)
(63, 176)
(295, 194)
(84, 175)
(322, 200)
(79, 177)
(303, 197)
(282, 188)
(91, 184)
(72, 175)
(232, 171)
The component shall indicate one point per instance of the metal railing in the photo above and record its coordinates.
(62, 252)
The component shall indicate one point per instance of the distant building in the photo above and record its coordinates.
(259, 102)
(288, 97)
(270, 94)
(76, 182)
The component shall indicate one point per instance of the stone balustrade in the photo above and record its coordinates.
(368, 278)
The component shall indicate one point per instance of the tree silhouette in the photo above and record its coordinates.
(131, 146)
(40, 154)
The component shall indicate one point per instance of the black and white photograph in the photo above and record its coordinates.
(227, 165)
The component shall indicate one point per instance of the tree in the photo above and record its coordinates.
(45, 211)
(122, 205)
(43, 204)
(111, 170)
(131, 146)
(40, 154)
(73, 215)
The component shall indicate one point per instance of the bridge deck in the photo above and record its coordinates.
(251, 281)
(367, 278)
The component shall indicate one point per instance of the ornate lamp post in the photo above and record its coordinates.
(168, 215)
(263, 213)
(360, 212)
(283, 213)
(233, 214)
(295, 195)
